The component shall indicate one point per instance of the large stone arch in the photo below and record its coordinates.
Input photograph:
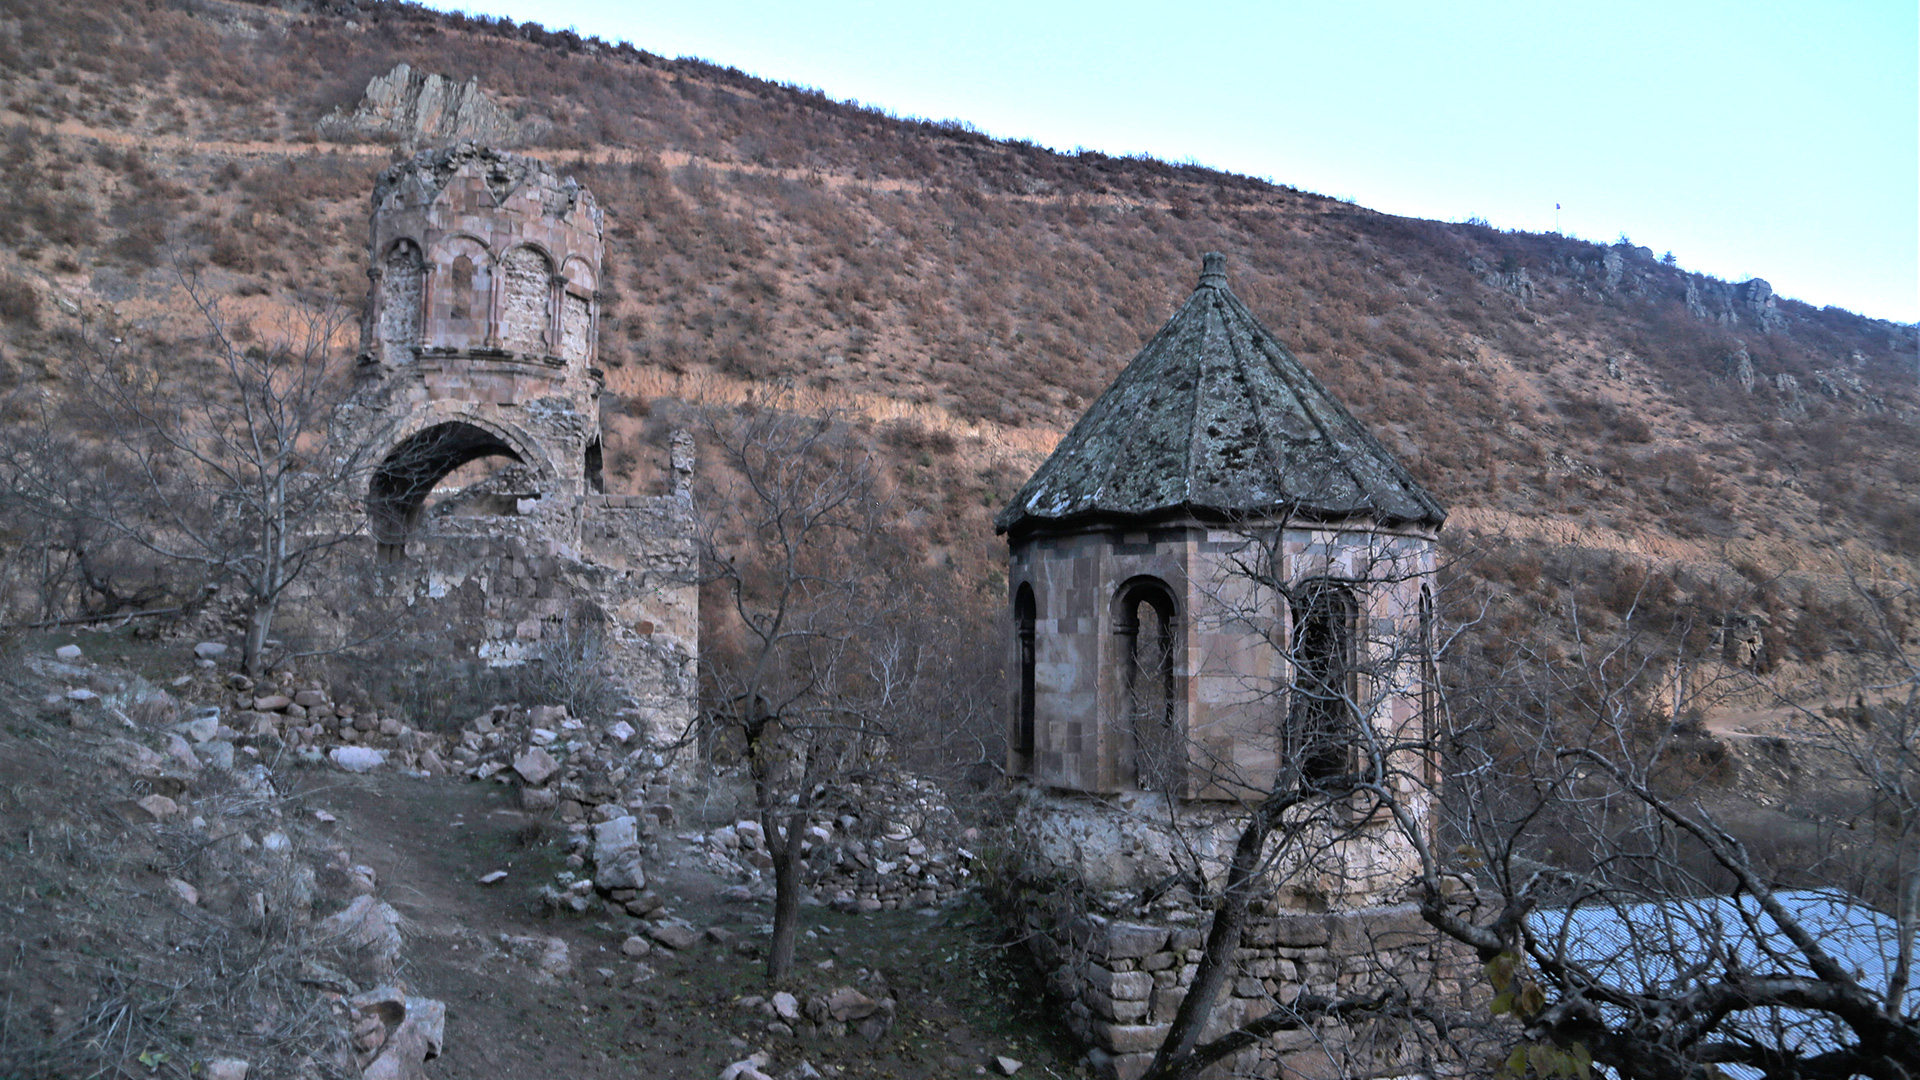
(425, 450)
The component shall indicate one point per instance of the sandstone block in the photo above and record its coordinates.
(357, 759)
(1129, 1038)
(535, 766)
(1120, 985)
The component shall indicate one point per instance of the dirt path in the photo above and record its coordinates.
(961, 1000)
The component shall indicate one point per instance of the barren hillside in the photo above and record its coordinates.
(1580, 407)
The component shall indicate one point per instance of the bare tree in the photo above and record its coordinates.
(235, 466)
(806, 670)
(1635, 912)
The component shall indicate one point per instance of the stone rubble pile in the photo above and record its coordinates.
(254, 861)
(866, 847)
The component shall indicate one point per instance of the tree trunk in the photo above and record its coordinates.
(259, 621)
(1216, 962)
(786, 891)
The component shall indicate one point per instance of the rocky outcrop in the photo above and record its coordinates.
(1749, 303)
(420, 108)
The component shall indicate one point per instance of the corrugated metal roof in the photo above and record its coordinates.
(1215, 416)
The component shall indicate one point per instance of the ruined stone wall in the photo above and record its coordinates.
(1119, 948)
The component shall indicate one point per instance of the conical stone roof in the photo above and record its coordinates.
(1216, 418)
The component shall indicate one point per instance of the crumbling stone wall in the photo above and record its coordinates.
(1119, 942)
(478, 346)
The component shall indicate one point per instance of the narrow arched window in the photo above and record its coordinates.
(1023, 617)
(1146, 628)
(1321, 718)
(462, 289)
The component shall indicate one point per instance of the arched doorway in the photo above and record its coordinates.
(407, 477)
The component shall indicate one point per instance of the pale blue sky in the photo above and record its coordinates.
(1751, 139)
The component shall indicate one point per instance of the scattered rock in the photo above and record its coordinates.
(1007, 1065)
(368, 925)
(844, 1003)
(358, 759)
(413, 1029)
(493, 878)
(674, 935)
(211, 650)
(535, 766)
(69, 653)
(159, 807)
(637, 947)
(227, 1069)
(786, 1006)
(620, 731)
(217, 754)
(186, 893)
(748, 1068)
(272, 703)
(81, 694)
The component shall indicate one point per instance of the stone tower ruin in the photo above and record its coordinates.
(1220, 583)
(476, 384)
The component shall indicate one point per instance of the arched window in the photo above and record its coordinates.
(460, 291)
(525, 306)
(400, 288)
(1146, 628)
(1321, 719)
(1023, 617)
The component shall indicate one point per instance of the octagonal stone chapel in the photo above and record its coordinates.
(1218, 572)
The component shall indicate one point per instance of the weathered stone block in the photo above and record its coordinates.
(1129, 1038)
(1119, 985)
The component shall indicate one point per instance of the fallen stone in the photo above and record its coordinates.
(186, 893)
(159, 807)
(217, 754)
(181, 754)
(542, 736)
(674, 935)
(210, 650)
(786, 1006)
(548, 955)
(358, 759)
(636, 947)
(844, 1003)
(748, 1068)
(547, 716)
(620, 731)
(81, 693)
(69, 653)
(534, 798)
(201, 728)
(272, 703)
(802, 1071)
(1007, 1065)
(493, 878)
(535, 766)
(415, 1031)
(307, 699)
(227, 1069)
(368, 925)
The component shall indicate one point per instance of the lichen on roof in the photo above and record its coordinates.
(1215, 417)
